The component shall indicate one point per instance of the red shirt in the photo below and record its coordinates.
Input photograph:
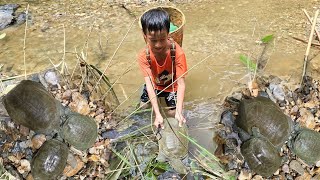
(161, 76)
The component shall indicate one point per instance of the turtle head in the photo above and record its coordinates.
(64, 112)
(256, 132)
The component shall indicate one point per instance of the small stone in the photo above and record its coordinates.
(318, 164)
(294, 110)
(79, 104)
(244, 175)
(72, 170)
(99, 118)
(14, 159)
(24, 166)
(257, 177)
(66, 95)
(94, 158)
(24, 130)
(277, 91)
(296, 166)
(277, 172)
(51, 78)
(285, 168)
(310, 104)
(23, 144)
(38, 140)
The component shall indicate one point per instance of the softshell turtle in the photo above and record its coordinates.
(32, 106)
(264, 114)
(173, 146)
(79, 130)
(261, 156)
(306, 145)
(50, 160)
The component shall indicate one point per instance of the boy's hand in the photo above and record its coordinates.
(158, 121)
(180, 118)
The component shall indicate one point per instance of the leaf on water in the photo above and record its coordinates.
(267, 38)
(248, 62)
(3, 35)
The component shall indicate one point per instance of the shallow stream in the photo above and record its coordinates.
(107, 35)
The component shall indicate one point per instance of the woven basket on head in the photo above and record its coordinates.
(177, 18)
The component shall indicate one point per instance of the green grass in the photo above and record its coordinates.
(248, 62)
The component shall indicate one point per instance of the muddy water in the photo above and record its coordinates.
(223, 28)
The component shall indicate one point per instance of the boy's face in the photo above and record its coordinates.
(158, 41)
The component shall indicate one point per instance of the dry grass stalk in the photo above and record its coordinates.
(24, 43)
(310, 20)
(308, 46)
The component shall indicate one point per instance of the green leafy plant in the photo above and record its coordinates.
(267, 38)
(248, 62)
(152, 166)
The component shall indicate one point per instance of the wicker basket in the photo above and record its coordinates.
(177, 18)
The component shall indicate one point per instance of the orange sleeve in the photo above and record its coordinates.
(143, 64)
(181, 62)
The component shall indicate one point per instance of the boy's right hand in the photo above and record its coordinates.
(158, 121)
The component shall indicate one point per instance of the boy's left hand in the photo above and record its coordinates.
(180, 118)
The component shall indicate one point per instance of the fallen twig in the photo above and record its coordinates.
(304, 41)
(309, 45)
(24, 44)
(317, 32)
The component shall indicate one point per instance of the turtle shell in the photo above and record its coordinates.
(174, 145)
(261, 156)
(306, 145)
(50, 161)
(79, 131)
(264, 114)
(32, 106)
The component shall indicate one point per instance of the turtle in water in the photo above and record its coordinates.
(173, 146)
(50, 160)
(32, 106)
(264, 114)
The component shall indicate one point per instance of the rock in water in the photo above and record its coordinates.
(262, 113)
(32, 106)
(50, 160)
(6, 15)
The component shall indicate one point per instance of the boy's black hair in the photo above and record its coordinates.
(155, 20)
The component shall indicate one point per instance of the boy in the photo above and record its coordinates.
(162, 62)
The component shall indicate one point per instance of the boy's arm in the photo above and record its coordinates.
(153, 99)
(180, 97)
